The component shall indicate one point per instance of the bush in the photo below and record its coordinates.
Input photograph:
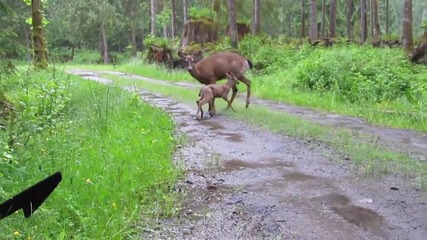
(357, 74)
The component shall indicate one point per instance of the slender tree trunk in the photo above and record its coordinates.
(173, 23)
(313, 21)
(322, 34)
(105, 44)
(153, 4)
(133, 32)
(232, 22)
(185, 10)
(27, 41)
(363, 21)
(408, 42)
(349, 14)
(302, 18)
(39, 48)
(333, 20)
(371, 17)
(256, 28)
(386, 18)
(377, 33)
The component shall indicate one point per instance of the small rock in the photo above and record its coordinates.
(211, 188)
(366, 200)
(394, 188)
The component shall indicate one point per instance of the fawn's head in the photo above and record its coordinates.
(231, 77)
(191, 59)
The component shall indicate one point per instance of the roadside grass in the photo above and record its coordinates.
(399, 113)
(369, 156)
(114, 151)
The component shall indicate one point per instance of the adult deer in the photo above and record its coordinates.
(213, 68)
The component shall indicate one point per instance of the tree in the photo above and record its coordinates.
(173, 22)
(185, 10)
(313, 21)
(131, 9)
(408, 42)
(348, 14)
(153, 6)
(333, 19)
(363, 21)
(322, 34)
(39, 45)
(232, 22)
(256, 28)
(386, 18)
(376, 23)
(302, 18)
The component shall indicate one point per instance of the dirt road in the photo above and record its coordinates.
(246, 183)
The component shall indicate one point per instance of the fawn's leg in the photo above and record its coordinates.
(199, 109)
(247, 82)
(229, 104)
(232, 96)
(212, 110)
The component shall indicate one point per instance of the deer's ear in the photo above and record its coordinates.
(198, 53)
(180, 54)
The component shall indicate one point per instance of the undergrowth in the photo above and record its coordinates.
(376, 84)
(114, 152)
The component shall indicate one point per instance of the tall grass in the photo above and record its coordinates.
(114, 152)
(376, 84)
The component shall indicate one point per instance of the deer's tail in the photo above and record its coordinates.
(251, 65)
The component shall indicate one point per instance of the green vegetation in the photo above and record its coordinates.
(114, 151)
(376, 84)
(371, 157)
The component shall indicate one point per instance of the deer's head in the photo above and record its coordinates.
(191, 59)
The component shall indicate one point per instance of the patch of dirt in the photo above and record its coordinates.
(245, 183)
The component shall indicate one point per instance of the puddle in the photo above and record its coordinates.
(237, 164)
(297, 177)
(234, 137)
(212, 125)
(333, 199)
(361, 217)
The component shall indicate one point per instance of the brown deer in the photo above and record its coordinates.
(213, 68)
(209, 92)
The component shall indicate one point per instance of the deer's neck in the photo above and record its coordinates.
(195, 73)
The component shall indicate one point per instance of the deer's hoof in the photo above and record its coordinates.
(212, 114)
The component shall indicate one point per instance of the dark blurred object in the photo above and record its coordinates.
(31, 199)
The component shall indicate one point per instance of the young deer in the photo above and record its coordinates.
(213, 68)
(208, 94)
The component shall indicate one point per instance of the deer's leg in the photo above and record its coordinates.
(247, 82)
(232, 97)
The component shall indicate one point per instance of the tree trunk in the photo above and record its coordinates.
(363, 21)
(408, 42)
(322, 34)
(27, 41)
(173, 22)
(133, 33)
(386, 18)
(377, 33)
(185, 10)
(302, 18)
(349, 12)
(39, 48)
(333, 20)
(256, 28)
(153, 4)
(104, 44)
(313, 21)
(232, 22)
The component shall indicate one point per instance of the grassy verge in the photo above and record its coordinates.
(372, 158)
(372, 84)
(114, 151)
